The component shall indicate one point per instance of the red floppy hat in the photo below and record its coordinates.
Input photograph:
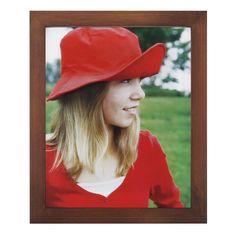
(94, 54)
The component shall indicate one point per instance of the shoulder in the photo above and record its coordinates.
(49, 148)
(147, 137)
(149, 141)
(50, 152)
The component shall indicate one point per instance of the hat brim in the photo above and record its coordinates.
(147, 64)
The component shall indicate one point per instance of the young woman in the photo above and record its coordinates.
(96, 155)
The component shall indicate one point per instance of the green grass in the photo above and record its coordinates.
(169, 119)
(50, 109)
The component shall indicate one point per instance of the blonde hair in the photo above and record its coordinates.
(80, 135)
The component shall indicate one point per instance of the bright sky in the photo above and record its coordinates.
(55, 34)
(53, 38)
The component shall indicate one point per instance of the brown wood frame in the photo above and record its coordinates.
(197, 20)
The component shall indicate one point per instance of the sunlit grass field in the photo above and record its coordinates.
(169, 119)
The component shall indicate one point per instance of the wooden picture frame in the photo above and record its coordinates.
(197, 20)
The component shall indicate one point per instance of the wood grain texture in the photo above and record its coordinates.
(197, 20)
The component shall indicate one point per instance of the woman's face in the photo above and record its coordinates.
(121, 102)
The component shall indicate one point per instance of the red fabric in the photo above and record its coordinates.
(148, 178)
(93, 54)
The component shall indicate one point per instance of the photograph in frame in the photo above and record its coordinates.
(137, 25)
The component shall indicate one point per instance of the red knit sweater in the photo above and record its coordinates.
(149, 178)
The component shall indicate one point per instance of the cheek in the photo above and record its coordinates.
(111, 107)
(113, 104)
(114, 115)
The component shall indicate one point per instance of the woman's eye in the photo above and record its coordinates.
(125, 81)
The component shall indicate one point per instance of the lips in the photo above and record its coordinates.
(131, 110)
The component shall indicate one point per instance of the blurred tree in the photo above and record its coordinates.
(49, 72)
(171, 36)
(151, 35)
(53, 71)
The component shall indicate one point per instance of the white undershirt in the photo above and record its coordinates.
(103, 188)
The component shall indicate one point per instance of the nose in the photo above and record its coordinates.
(138, 92)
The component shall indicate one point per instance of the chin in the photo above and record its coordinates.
(124, 124)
